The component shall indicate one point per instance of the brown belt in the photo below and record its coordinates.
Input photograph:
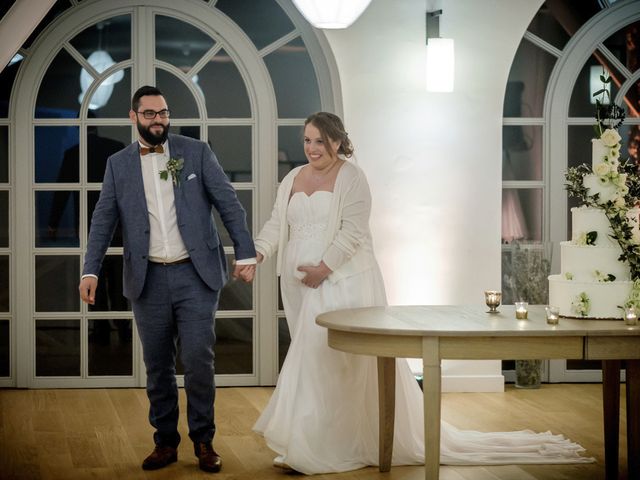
(177, 262)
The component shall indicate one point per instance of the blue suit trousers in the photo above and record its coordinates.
(176, 305)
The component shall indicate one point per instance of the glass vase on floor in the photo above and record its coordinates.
(528, 373)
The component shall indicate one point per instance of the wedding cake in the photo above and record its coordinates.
(596, 277)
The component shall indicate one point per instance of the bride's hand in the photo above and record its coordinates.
(259, 257)
(315, 275)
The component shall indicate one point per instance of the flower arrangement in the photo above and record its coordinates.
(612, 185)
(581, 305)
(174, 166)
(587, 238)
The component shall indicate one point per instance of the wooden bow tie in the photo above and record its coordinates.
(156, 149)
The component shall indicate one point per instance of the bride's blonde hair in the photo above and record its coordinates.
(331, 128)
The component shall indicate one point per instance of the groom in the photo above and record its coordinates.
(161, 190)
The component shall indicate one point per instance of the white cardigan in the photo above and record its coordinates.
(348, 243)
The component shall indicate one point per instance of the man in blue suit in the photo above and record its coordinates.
(161, 189)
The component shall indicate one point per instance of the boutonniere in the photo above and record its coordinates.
(174, 166)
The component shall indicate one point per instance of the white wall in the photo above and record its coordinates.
(433, 159)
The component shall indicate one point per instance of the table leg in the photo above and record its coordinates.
(633, 418)
(611, 413)
(431, 389)
(387, 406)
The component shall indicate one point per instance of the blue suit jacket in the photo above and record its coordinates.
(123, 199)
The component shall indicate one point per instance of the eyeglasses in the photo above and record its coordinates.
(151, 114)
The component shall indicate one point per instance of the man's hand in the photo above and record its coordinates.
(315, 275)
(245, 272)
(87, 289)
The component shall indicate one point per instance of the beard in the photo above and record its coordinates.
(150, 137)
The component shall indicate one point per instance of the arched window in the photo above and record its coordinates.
(241, 79)
(547, 127)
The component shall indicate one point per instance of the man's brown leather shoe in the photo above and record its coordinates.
(209, 460)
(160, 457)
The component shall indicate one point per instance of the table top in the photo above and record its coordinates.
(468, 320)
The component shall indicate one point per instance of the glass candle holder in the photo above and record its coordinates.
(521, 310)
(630, 316)
(553, 314)
(492, 298)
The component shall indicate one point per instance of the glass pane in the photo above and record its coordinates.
(178, 97)
(294, 80)
(263, 23)
(112, 36)
(232, 146)
(5, 349)
(522, 152)
(623, 45)
(112, 99)
(60, 89)
(236, 294)
(525, 269)
(57, 348)
(234, 346)
(583, 103)
(631, 102)
(245, 197)
(56, 154)
(284, 340)
(92, 199)
(5, 285)
(110, 347)
(57, 278)
(574, 14)
(527, 83)
(223, 88)
(109, 296)
(280, 304)
(290, 151)
(103, 141)
(57, 218)
(192, 131)
(546, 26)
(4, 154)
(521, 214)
(4, 219)
(7, 77)
(179, 43)
(632, 142)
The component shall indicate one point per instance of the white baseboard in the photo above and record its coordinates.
(473, 383)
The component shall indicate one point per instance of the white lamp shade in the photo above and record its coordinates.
(440, 65)
(331, 13)
(100, 60)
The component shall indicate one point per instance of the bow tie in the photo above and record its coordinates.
(156, 149)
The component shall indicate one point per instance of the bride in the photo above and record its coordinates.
(323, 415)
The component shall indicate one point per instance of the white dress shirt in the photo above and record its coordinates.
(165, 241)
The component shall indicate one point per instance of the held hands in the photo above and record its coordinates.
(87, 289)
(244, 272)
(315, 275)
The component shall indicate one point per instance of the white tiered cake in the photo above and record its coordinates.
(593, 282)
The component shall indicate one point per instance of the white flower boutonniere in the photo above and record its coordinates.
(174, 166)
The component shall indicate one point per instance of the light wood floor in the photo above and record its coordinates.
(104, 434)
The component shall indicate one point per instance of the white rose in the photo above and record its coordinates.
(619, 202)
(623, 190)
(601, 169)
(610, 137)
(620, 180)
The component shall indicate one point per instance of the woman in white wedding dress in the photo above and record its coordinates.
(323, 415)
